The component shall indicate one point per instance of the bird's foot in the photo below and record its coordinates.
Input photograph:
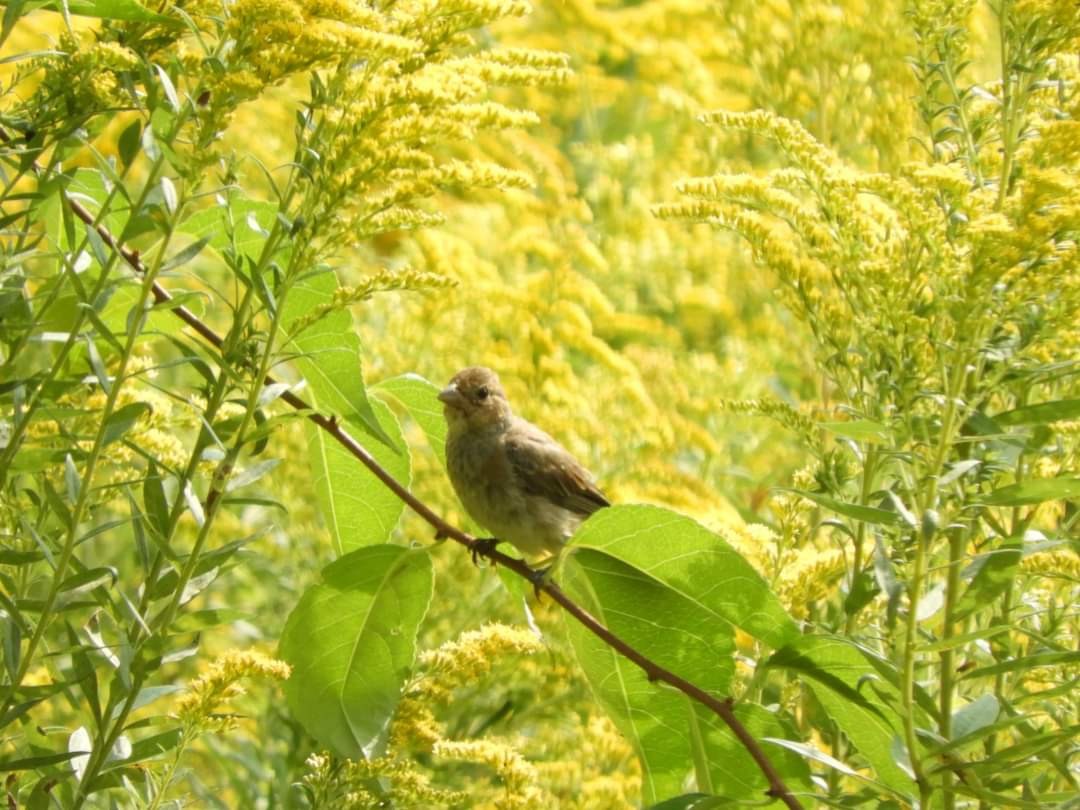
(482, 546)
(539, 577)
(440, 535)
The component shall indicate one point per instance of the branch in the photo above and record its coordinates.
(653, 671)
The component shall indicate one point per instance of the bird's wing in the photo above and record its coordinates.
(544, 467)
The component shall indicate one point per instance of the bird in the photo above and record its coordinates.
(513, 479)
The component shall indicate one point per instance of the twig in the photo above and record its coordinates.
(654, 672)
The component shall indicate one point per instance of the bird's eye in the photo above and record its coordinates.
(482, 392)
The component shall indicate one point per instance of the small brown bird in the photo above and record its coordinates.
(513, 479)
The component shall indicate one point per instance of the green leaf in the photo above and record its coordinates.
(696, 563)
(125, 10)
(128, 143)
(1035, 491)
(329, 358)
(419, 398)
(732, 771)
(1046, 659)
(692, 801)
(123, 419)
(867, 514)
(185, 255)
(357, 507)
(975, 715)
(997, 569)
(155, 503)
(1041, 414)
(351, 641)
(863, 430)
(30, 763)
(231, 226)
(664, 625)
(851, 692)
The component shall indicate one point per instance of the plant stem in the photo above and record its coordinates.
(957, 544)
(86, 485)
(868, 476)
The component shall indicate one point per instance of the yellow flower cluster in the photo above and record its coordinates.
(563, 761)
(219, 683)
(472, 656)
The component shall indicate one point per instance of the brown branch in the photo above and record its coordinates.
(653, 671)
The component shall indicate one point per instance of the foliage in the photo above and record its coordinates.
(880, 572)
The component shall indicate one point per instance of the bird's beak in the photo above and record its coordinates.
(452, 397)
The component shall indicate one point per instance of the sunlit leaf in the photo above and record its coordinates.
(351, 641)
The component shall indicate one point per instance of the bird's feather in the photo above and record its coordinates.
(545, 468)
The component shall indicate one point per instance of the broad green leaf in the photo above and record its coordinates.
(732, 771)
(663, 625)
(87, 186)
(696, 563)
(1035, 491)
(1041, 414)
(867, 514)
(242, 223)
(419, 397)
(351, 641)
(357, 507)
(850, 690)
(329, 357)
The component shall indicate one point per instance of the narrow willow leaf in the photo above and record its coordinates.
(975, 715)
(125, 10)
(867, 514)
(251, 474)
(72, 481)
(329, 357)
(123, 419)
(419, 397)
(357, 507)
(864, 430)
(155, 503)
(693, 801)
(1040, 414)
(186, 255)
(79, 747)
(194, 505)
(128, 143)
(1046, 659)
(696, 563)
(958, 471)
(840, 677)
(813, 754)
(174, 102)
(996, 571)
(1034, 491)
(30, 763)
(351, 641)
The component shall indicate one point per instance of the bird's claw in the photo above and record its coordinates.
(539, 577)
(482, 546)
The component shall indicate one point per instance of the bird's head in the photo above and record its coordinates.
(475, 400)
